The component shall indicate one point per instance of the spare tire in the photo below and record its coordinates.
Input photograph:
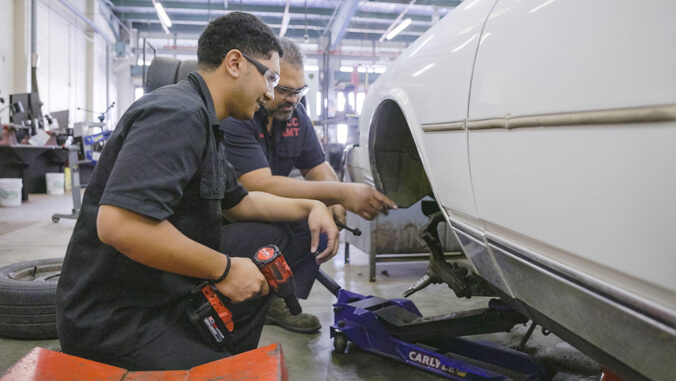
(161, 72)
(27, 299)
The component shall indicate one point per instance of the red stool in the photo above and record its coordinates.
(40, 364)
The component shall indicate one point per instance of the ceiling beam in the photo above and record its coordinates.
(193, 32)
(216, 6)
(342, 21)
(436, 3)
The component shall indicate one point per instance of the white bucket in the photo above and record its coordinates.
(10, 192)
(55, 183)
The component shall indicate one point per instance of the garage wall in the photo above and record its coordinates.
(72, 68)
(6, 54)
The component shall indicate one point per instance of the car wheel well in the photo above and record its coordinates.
(397, 169)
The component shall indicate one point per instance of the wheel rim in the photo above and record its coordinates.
(40, 273)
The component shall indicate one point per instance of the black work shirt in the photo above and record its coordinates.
(166, 161)
(290, 144)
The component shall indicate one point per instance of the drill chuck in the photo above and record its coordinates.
(272, 264)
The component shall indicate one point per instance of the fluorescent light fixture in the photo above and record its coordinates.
(404, 24)
(311, 68)
(361, 69)
(390, 33)
(379, 70)
(162, 15)
(346, 69)
(285, 20)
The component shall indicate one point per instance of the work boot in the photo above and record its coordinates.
(279, 314)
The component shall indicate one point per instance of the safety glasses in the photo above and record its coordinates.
(288, 92)
(269, 75)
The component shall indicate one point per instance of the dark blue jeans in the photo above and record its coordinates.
(301, 260)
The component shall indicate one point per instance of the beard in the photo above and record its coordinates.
(281, 113)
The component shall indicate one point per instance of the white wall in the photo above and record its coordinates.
(72, 72)
(6, 54)
(72, 68)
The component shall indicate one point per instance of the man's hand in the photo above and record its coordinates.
(366, 201)
(320, 221)
(338, 212)
(244, 281)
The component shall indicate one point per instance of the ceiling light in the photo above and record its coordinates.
(389, 29)
(398, 29)
(162, 15)
(285, 19)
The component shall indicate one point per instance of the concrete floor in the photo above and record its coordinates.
(27, 233)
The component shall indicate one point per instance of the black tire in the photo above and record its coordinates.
(186, 67)
(161, 72)
(27, 297)
(45, 331)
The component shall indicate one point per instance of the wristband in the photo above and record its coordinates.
(225, 272)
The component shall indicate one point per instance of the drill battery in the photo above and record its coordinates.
(210, 316)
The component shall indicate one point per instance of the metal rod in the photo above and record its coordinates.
(526, 337)
(328, 282)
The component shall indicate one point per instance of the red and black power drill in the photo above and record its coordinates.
(211, 318)
(279, 276)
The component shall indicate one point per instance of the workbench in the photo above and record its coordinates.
(31, 163)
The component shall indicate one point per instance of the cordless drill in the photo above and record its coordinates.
(211, 318)
(279, 276)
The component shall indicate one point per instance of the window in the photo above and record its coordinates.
(341, 101)
(360, 102)
(138, 93)
(341, 133)
(318, 103)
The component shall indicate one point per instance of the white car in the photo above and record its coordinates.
(546, 132)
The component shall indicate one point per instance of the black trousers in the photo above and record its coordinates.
(181, 347)
(297, 255)
(301, 260)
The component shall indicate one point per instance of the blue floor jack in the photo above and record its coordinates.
(394, 328)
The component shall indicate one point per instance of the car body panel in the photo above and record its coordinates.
(574, 55)
(620, 190)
